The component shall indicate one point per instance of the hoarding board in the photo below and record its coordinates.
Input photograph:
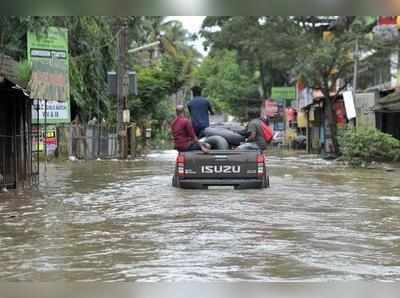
(48, 55)
(288, 93)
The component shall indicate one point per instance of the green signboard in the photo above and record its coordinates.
(48, 55)
(283, 93)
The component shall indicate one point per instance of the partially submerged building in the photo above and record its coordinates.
(16, 158)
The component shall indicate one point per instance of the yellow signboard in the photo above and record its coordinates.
(301, 120)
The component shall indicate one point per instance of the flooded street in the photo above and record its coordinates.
(122, 221)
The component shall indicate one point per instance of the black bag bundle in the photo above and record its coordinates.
(235, 128)
(217, 142)
(233, 138)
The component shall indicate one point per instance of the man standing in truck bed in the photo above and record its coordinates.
(199, 107)
(184, 136)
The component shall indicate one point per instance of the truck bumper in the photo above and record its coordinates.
(236, 183)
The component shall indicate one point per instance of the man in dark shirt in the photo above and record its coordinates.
(184, 137)
(199, 107)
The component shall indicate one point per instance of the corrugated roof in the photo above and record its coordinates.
(389, 103)
(389, 99)
(8, 69)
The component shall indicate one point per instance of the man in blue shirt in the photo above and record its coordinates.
(199, 107)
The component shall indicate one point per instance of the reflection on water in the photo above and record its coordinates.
(118, 221)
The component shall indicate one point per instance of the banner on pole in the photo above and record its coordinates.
(349, 104)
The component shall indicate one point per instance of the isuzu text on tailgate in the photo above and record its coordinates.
(220, 169)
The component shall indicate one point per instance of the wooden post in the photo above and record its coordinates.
(355, 75)
(308, 136)
(133, 140)
(14, 143)
(45, 135)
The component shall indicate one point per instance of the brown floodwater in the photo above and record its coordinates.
(122, 221)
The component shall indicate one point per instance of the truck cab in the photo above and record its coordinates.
(237, 168)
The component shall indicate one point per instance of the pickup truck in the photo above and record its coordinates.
(240, 169)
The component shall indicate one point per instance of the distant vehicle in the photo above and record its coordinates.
(240, 169)
(300, 142)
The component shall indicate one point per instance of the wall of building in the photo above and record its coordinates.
(364, 104)
(15, 138)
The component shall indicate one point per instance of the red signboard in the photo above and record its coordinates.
(340, 114)
(387, 20)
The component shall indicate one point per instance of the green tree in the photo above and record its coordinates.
(157, 82)
(13, 32)
(263, 43)
(226, 83)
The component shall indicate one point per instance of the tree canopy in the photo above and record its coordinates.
(226, 83)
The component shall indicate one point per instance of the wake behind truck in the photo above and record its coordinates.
(240, 169)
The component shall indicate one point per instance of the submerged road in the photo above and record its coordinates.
(122, 221)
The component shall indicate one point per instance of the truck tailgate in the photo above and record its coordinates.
(221, 164)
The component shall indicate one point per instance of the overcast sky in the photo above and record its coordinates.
(193, 25)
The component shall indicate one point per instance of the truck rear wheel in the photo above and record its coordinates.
(266, 182)
(175, 182)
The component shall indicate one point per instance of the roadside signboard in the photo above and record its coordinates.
(283, 93)
(48, 55)
(50, 139)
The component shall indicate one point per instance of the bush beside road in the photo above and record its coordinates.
(365, 146)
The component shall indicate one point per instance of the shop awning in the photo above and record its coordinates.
(388, 104)
(317, 98)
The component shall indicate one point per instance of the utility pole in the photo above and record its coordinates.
(355, 75)
(122, 86)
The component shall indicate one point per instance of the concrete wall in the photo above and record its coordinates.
(364, 109)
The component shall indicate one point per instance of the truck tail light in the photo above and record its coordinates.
(260, 160)
(180, 164)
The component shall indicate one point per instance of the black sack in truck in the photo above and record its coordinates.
(217, 142)
(233, 138)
